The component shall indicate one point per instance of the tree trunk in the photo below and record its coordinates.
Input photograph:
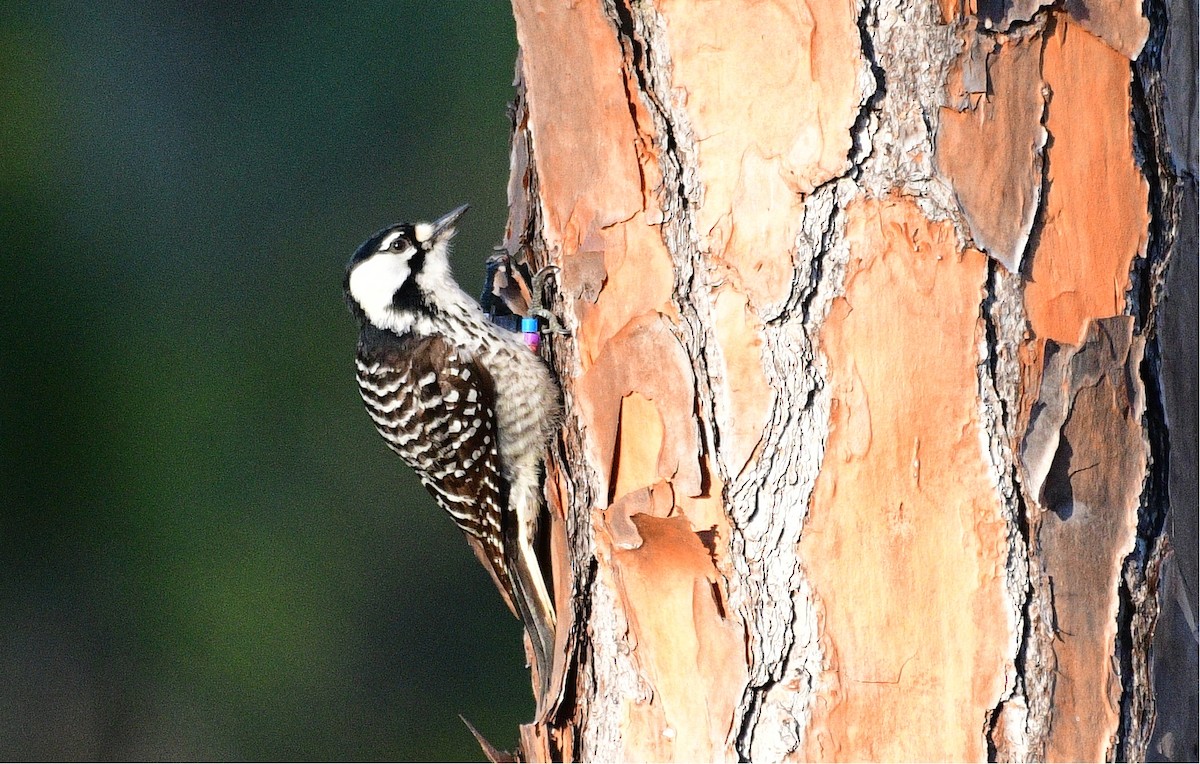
(877, 427)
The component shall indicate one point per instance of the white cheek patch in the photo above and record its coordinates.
(373, 284)
(434, 277)
(423, 231)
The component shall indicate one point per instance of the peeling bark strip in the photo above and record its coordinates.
(865, 451)
(906, 487)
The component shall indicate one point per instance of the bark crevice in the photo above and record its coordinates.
(800, 367)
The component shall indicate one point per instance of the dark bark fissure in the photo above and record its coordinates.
(1019, 518)
(1031, 696)
(1044, 22)
(804, 291)
(859, 153)
(1139, 586)
(632, 31)
(811, 273)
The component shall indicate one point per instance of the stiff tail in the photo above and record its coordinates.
(532, 600)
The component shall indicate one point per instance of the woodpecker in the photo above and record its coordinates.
(463, 402)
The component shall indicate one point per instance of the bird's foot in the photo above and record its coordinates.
(553, 325)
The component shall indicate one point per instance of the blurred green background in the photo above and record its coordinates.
(207, 551)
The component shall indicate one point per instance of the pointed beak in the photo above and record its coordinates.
(443, 227)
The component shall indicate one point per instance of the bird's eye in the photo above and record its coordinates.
(400, 243)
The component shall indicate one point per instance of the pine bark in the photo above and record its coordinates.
(876, 444)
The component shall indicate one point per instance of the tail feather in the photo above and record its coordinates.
(531, 598)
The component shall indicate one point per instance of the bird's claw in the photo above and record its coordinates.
(539, 279)
(553, 325)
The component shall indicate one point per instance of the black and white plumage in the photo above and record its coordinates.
(465, 403)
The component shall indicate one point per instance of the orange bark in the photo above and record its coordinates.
(1096, 208)
(906, 541)
(856, 446)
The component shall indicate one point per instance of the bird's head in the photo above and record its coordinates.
(395, 275)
